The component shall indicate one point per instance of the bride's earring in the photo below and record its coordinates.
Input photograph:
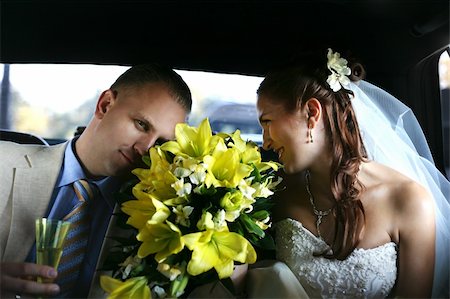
(309, 132)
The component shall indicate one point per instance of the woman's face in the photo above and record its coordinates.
(285, 132)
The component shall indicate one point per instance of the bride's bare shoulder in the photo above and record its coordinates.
(402, 194)
(395, 204)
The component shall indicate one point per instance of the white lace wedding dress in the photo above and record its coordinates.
(366, 273)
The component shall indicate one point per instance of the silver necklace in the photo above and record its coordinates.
(319, 213)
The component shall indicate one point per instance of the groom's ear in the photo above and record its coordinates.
(105, 101)
(314, 110)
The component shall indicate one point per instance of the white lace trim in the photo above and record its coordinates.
(366, 273)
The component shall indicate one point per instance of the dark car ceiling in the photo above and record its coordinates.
(246, 37)
(390, 37)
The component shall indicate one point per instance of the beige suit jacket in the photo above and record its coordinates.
(28, 174)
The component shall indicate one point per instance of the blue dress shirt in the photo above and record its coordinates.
(64, 199)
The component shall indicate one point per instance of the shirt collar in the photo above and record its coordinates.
(72, 171)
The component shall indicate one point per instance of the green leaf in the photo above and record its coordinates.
(237, 228)
(251, 226)
(266, 242)
(138, 270)
(260, 215)
(207, 191)
(255, 173)
(263, 204)
(178, 285)
(146, 160)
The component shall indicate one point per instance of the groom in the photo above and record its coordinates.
(141, 107)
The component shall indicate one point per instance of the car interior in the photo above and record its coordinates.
(398, 42)
(21, 137)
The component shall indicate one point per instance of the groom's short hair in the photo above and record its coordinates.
(142, 74)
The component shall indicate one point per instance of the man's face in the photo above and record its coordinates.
(127, 124)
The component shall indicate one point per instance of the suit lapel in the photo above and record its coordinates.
(32, 190)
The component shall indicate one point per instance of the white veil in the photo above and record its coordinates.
(393, 136)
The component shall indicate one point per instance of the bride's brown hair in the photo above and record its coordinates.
(292, 87)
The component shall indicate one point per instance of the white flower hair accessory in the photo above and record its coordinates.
(339, 71)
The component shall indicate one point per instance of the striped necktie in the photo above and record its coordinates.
(74, 247)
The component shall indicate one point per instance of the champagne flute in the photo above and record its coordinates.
(50, 236)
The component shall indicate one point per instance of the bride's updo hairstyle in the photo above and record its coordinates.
(292, 87)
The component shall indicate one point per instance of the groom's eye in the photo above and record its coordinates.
(142, 125)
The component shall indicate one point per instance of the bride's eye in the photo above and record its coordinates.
(264, 122)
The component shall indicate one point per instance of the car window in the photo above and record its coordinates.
(444, 75)
(52, 100)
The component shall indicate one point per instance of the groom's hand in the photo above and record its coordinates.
(20, 278)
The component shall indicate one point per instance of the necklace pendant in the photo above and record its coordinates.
(318, 222)
(319, 213)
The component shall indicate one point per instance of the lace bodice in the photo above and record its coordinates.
(366, 273)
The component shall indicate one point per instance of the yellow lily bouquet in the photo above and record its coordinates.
(197, 210)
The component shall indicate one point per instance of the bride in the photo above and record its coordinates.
(364, 214)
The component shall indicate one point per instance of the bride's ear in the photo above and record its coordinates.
(314, 111)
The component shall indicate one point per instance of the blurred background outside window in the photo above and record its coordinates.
(52, 100)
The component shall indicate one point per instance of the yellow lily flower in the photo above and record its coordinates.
(164, 239)
(206, 221)
(198, 175)
(245, 187)
(186, 162)
(143, 210)
(192, 142)
(220, 223)
(264, 224)
(250, 154)
(217, 222)
(158, 167)
(182, 188)
(129, 264)
(169, 271)
(263, 166)
(182, 214)
(157, 180)
(238, 142)
(159, 189)
(218, 249)
(234, 203)
(264, 189)
(135, 287)
(224, 167)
